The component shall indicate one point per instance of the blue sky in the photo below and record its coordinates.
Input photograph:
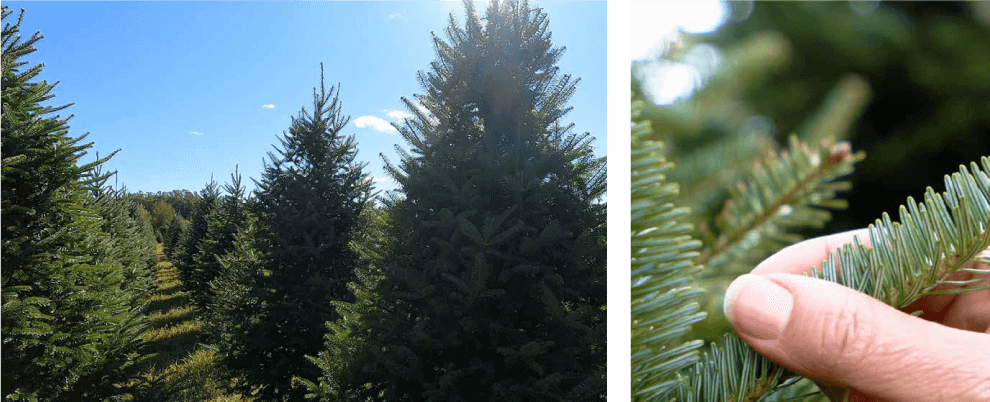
(187, 90)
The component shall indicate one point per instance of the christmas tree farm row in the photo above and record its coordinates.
(481, 278)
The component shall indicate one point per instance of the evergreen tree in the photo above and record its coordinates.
(126, 244)
(307, 205)
(172, 241)
(71, 283)
(240, 298)
(130, 237)
(222, 224)
(189, 256)
(491, 285)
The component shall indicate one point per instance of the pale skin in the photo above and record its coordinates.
(845, 339)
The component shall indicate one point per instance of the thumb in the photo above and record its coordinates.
(840, 337)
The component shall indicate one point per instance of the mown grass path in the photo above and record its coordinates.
(182, 369)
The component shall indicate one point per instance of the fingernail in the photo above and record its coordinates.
(757, 307)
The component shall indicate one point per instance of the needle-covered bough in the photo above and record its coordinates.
(905, 261)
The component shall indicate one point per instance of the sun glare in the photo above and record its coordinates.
(656, 25)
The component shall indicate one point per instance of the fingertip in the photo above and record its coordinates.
(839, 336)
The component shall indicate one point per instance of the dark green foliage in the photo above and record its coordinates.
(491, 285)
(75, 257)
(127, 247)
(241, 292)
(189, 257)
(279, 283)
(130, 241)
(173, 236)
(222, 224)
(372, 239)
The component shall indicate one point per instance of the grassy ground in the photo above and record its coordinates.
(182, 369)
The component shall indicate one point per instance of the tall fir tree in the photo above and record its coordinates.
(492, 283)
(71, 283)
(307, 204)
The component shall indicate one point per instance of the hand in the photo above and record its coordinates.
(842, 338)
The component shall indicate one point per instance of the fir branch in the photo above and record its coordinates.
(732, 372)
(907, 260)
(663, 303)
(783, 192)
(705, 173)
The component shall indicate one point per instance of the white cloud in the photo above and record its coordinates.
(420, 106)
(383, 124)
(268, 106)
(378, 179)
(195, 133)
(398, 114)
(376, 123)
(394, 16)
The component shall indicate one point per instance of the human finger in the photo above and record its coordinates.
(844, 338)
(800, 258)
